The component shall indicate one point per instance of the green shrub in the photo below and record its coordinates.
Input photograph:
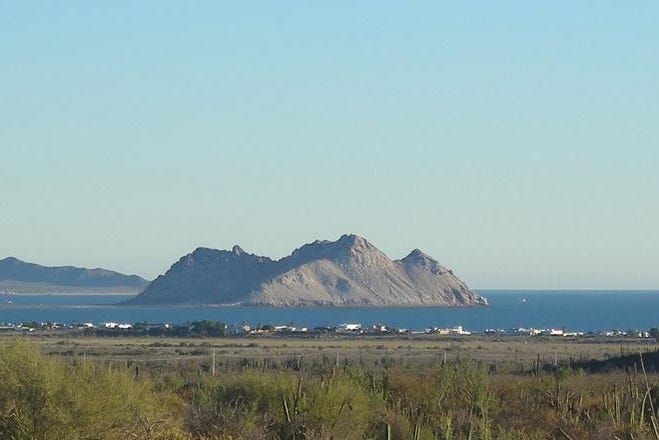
(44, 398)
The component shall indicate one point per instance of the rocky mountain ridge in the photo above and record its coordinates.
(348, 271)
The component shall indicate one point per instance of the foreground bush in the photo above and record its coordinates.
(44, 398)
(283, 406)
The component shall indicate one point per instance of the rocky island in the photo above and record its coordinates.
(347, 272)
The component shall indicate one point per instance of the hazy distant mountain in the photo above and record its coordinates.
(21, 277)
(349, 271)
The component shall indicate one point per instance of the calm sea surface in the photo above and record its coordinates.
(576, 310)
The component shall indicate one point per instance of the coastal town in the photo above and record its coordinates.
(217, 328)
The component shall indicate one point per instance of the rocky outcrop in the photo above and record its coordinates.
(209, 276)
(349, 271)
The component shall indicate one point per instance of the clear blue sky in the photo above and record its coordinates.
(517, 142)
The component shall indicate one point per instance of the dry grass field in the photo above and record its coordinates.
(507, 352)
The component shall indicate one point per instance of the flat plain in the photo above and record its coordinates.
(514, 353)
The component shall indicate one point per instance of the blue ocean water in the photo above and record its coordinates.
(575, 310)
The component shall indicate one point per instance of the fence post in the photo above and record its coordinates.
(213, 364)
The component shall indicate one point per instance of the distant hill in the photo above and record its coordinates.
(21, 277)
(349, 271)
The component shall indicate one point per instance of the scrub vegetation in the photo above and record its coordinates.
(54, 396)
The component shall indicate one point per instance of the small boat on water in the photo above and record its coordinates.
(5, 297)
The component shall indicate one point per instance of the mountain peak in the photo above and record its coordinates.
(418, 255)
(346, 246)
(419, 260)
(237, 250)
(352, 241)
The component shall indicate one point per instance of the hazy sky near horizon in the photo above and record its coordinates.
(517, 142)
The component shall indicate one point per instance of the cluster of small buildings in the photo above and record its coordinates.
(356, 329)
(288, 329)
(627, 334)
(118, 326)
(17, 328)
(111, 325)
(381, 328)
(457, 330)
(535, 332)
(565, 333)
(343, 329)
(32, 326)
